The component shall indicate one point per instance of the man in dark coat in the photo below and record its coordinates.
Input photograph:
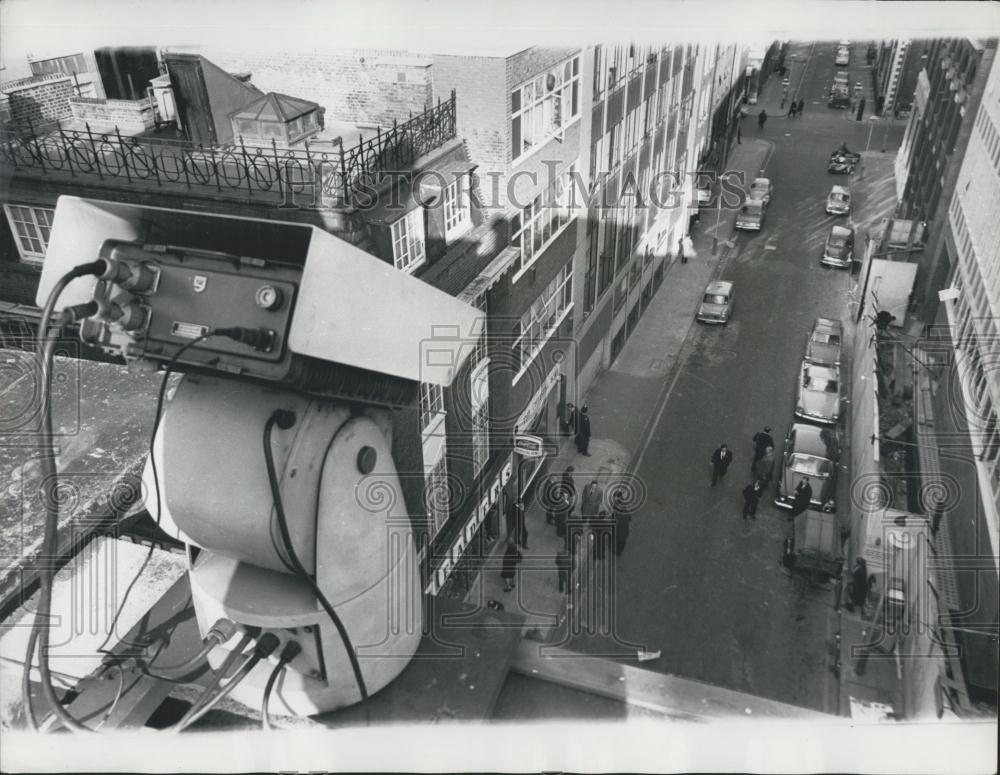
(622, 525)
(720, 460)
(561, 512)
(761, 441)
(761, 119)
(509, 567)
(583, 433)
(751, 497)
(801, 106)
(593, 499)
(803, 496)
(569, 486)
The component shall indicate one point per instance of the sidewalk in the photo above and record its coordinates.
(624, 403)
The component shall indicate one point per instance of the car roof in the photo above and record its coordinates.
(830, 324)
(824, 372)
(813, 440)
(841, 231)
(840, 190)
(754, 204)
(719, 286)
(761, 181)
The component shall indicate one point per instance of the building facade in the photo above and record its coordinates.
(967, 322)
(948, 92)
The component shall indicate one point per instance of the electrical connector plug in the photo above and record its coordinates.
(261, 339)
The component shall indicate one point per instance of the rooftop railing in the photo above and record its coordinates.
(326, 176)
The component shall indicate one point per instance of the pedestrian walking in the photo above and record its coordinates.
(764, 468)
(802, 498)
(720, 461)
(762, 119)
(801, 107)
(583, 432)
(593, 499)
(751, 497)
(761, 441)
(509, 567)
(792, 108)
(681, 253)
(564, 568)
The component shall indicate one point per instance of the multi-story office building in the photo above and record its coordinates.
(947, 95)
(895, 73)
(967, 404)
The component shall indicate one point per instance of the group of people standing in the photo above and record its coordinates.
(762, 470)
(595, 526)
(761, 467)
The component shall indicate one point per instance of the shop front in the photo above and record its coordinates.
(456, 567)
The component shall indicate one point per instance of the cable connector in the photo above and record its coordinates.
(266, 645)
(261, 339)
(291, 650)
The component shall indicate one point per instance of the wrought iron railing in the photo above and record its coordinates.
(320, 177)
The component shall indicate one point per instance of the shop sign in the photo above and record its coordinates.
(475, 521)
(529, 446)
(527, 418)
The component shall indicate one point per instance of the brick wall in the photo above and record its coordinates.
(104, 115)
(362, 86)
(39, 102)
(481, 105)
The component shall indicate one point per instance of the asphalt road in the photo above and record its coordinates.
(697, 583)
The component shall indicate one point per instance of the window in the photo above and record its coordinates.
(408, 241)
(456, 208)
(538, 323)
(543, 106)
(436, 494)
(538, 224)
(431, 406)
(31, 226)
(480, 438)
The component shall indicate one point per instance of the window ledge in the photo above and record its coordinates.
(538, 253)
(545, 341)
(554, 136)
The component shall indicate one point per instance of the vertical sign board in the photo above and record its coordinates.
(476, 519)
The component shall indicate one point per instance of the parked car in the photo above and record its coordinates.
(819, 393)
(716, 303)
(841, 165)
(839, 250)
(843, 57)
(839, 201)
(825, 341)
(751, 215)
(845, 152)
(703, 194)
(839, 98)
(761, 190)
(810, 453)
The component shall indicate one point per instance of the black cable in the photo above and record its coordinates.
(156, 480)
(39, 638)
(285, 419)
(292, 649)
